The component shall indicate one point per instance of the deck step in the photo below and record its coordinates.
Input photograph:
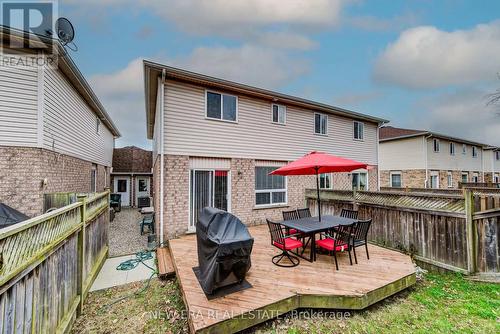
(165, 264)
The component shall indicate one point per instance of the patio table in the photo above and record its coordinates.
(311, 225)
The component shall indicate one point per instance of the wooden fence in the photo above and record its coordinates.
(439, 230)
(48, 264)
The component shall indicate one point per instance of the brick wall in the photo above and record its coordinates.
(176, 197)
(23, 171)
(132, 159)
(412, 178)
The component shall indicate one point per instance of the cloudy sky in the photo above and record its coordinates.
(419, 63)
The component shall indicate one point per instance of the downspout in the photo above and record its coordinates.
(426, 149)
(378, 155)
(162, 158)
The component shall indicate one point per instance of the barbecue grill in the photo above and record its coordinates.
(224, 248)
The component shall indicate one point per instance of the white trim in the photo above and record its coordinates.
(221, 106)
(361, 171)
(40, 102)
(136, 192)
(474, 149)
(272, 113)
(330, 175)
(362, 132)
(436, 174)
(464, 148)
(314, 124)
(396, 172)
(452, 144)
(434, 141)
(462, 176)
(129, 190)
(161, 96)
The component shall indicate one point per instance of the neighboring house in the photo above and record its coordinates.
(132, 174)
(491, 164)
(425, 159)
(55, 135)
(216, 141)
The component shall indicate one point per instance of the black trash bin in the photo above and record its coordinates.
(224, 248)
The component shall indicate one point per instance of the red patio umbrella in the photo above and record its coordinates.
(316, 163)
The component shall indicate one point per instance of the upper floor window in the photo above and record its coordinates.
(474, 151)
(452, 148)
(464, 149)
(222, 106)
(269, 189)
(435, 144)
(325, 181)
(359, 129)
(497, 155)
(320, 123)
(97, 125)
(279, 114)
(396, 179)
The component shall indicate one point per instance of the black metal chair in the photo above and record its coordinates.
(349, 214)
(360, 236)
(284, 243)
(337, 240)
(304, 213)
(149, 222)
(290, 215)
(115, 201)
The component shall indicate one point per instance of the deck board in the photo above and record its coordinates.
(280, 290)
(165, 263)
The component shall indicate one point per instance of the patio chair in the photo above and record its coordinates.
(115, 201)
(360, 236)
(285, 243)
(304, 213)
(349, 214)
(290, 215)
(149, 222)
(337, 240)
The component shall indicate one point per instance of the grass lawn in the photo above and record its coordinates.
(438, 304)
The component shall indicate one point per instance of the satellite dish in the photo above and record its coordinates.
(65, 30)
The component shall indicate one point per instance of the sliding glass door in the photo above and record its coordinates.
(208, 188)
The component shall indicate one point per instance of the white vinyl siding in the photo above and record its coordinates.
(70, 124)
(402, 154)
(187, 132)
(18, 106)
(457, 162)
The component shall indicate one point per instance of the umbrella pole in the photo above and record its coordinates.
(317, 190)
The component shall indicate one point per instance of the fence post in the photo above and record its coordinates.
(81, 253)
(471, 233)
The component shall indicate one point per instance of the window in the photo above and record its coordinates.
(465, 177)
(464, 149)
(450, 179)
(452, 148)
(279, 114)
(497, 155)
(396, 180)
(93, 179)
(475, 177)
(97, 125)
(222, 106)
(143, 185)
(434, 179)
(121, 186)
(325, 181)
(496, 178)
(269, 189)
(435, 143)
(359, 181)
(474, 151)
(320, 123)
(359, 129)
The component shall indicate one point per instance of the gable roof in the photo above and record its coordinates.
(71, 71)
(388, 133)
(132, 159)
(153, 71)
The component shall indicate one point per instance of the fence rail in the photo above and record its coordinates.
(441, 230)
(48, 264)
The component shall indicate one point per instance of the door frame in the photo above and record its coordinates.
(129, 191)
(136, 192)
(192, 229)
(436, 174)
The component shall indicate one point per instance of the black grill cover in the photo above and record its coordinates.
(10, 216)
(224, 248)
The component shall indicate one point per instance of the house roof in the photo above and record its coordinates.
(153, 71)
(132, 159)
(69, 68)
(388, 133)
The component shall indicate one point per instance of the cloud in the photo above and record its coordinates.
(463, 114)
(426, 57)
(122, 91)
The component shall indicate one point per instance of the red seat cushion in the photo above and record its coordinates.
(328, 245)
(293, 231)
(289, 244)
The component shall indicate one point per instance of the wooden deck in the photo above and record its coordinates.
(278, 290)
(165, 264)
